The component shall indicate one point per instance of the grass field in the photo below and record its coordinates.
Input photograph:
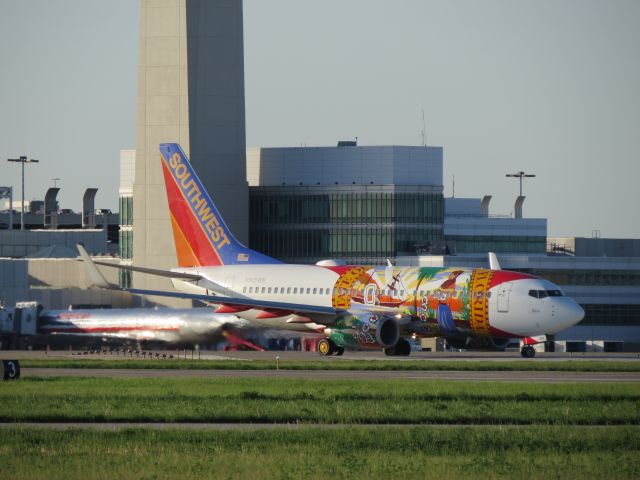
(539, 452)
(88, 399)
(339, 364)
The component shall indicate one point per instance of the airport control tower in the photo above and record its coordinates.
(191, 91)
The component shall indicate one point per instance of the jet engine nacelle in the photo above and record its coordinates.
(365, 331)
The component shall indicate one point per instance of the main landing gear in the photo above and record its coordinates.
(400, 349)
(528, 351)
(327, 347)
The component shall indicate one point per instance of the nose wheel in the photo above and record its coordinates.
(528, 351)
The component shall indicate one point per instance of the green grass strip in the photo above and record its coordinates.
(338, 364)
(343, 453)
(86, 399)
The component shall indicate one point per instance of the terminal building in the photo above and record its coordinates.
(370, 204)
(357, 204)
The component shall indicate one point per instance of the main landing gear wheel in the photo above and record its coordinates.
(400, 349)
(326, 347)
(339, 351)
(528, 351)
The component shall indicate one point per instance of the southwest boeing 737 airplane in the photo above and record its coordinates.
(352, 306)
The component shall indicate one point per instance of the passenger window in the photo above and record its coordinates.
(308, 291)
(295, 290)
(288, 290)
(327, 291)
(250, 289)
(244, 289)
(269, 290)
(263, 289)
(315, 290)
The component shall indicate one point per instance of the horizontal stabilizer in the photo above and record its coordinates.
(151, 271)
(97, 279)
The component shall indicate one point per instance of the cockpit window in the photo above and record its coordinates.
(545, 293)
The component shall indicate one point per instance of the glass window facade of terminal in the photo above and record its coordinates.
(125, 237)
(587, 277)
(611, 314)
(357, 225)
(126, 244)
(499, 244)
(126, 211)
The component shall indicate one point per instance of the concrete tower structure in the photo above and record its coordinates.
(191, 91)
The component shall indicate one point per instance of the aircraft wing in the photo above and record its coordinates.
(237, 304)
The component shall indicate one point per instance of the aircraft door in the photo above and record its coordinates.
(503, 296)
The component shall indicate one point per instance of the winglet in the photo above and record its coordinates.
(97, 279)
(493, 262)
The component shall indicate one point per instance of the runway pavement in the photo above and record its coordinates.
(495, 376)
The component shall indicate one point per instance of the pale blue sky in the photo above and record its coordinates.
(549, 87)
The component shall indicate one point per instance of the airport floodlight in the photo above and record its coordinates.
(520, 175)
(23, 159)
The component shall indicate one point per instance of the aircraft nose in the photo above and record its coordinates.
(569, 314)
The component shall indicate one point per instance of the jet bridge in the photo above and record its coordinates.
(18, 321)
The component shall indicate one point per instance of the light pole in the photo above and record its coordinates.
(22, 160)
(520, 175)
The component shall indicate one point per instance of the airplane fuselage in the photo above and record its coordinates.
(165, 325)
(450, 302)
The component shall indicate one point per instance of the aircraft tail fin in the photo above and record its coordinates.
(200, 234)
